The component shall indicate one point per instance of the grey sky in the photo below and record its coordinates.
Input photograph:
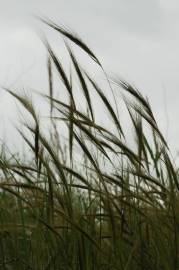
(136, 39)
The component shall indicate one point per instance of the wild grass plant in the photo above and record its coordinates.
(94, 200)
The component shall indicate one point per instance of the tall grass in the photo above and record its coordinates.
(99, 199)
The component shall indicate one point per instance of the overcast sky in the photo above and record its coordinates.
(136, 39)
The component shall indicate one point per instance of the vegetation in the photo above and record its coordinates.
(101, 198)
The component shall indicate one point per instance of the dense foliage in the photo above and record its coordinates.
(99, 199)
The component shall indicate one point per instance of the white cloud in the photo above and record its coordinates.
(138, 39)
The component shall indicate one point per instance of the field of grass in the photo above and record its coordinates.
(99, 199)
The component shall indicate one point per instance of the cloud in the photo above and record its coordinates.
(141, 17)
(137, 39)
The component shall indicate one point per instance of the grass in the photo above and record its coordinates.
(97, 199)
